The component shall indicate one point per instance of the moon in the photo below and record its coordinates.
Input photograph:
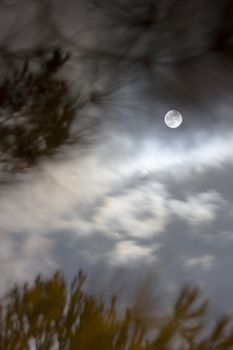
(173, 119)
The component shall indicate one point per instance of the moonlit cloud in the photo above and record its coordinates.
(198, 209)
(128, 252)
(205, 262)
(24, 256)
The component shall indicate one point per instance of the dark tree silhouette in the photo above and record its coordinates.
(53, 315)
(36, 110)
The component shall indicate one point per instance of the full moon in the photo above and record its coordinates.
(173, 119)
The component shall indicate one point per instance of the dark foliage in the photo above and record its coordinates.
(51, 315)
(36, 110)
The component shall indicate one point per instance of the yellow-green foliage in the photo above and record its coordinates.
(50, 315)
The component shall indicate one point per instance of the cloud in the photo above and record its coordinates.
(135, 213)
(23, 257)
(166, 194)
(129, 253)
(198, 209)
(204, 262)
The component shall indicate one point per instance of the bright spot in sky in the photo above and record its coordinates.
(173, 119)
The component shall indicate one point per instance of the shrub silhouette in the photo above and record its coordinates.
(52, 315)
(36, 110)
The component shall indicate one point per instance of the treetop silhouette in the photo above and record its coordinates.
(50, 314)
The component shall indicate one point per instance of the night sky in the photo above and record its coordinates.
(137, 197)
